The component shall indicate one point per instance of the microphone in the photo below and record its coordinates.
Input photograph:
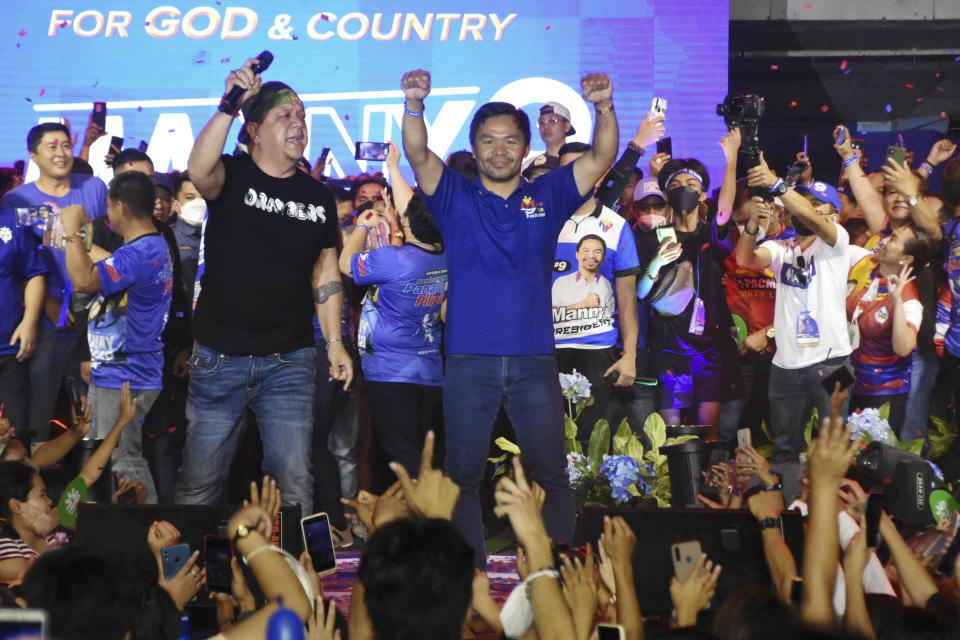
(229, 103)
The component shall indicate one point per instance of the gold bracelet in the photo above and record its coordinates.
(74, 236)
(605, 110)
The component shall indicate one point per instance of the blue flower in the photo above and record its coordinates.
(936, 470)
(621, 472)
(575, 386)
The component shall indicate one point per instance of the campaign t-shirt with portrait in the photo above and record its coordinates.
(811, 285)
(590, 326)
(947, 330)
(128, 317)
(879, 371)
(262, 237)
(406, 342)
(500, 257)
(88, 191)
(20, 260)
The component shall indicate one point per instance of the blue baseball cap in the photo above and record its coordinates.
(822, 192)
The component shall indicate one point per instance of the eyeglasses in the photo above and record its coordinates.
(545, 121)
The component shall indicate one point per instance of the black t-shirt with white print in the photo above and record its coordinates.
(262, 239)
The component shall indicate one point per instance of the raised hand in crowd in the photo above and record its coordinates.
(723, 477)
(855, 617)
(940, 152)
(730, 143)
(837, 398)
(649, 131)
(127, 484)
(853, 498)
(764, 506)
(434, 495)
(240, 601)
(761, 175)
(751, 464)
(619, 541)
(93, 133)
(579, 579)
(159, 535)
(186, 584)
(656, 163)
(807, 176)
(693, 595)
(320, 624)
(483, 603)
(267, 497)
(401, 189)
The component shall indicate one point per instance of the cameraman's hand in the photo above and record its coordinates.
(730, 143)
(807, 176)
(760, 175)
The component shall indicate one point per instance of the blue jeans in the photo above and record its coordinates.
(923, 377)
(279, 390)
(529, 388)
(793, 393)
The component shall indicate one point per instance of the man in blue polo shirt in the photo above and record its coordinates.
(500, 233)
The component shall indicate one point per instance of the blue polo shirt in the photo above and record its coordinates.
(20, 260)
(499, 260)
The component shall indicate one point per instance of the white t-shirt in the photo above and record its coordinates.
(814, 281)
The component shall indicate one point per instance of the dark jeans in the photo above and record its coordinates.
(753, 408)
(46, 368)
(164, 429)
(793, 393)
(591, 363)
(898, 408)
(13, 392)
(529, 388)
(401, 413)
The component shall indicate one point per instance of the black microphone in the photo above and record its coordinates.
(229, 103)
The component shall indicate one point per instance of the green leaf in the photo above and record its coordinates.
(635, 449)
(912, 446)
(621, 438)
(941, 437)
(569, 428)
(812, 423)
(766, 451)
(506, 445)
(669, 442)
(498, 459)
(884, 411)
(599, 442)
(766, 432)
(656, 430)
(632, 489)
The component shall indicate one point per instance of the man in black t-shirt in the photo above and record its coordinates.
(271, 240)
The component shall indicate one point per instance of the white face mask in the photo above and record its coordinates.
(194, 212)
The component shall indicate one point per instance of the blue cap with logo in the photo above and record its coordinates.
(822, 192)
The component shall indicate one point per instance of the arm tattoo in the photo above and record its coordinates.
(324, 291)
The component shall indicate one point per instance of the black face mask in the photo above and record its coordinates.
(683, 199)
(801, 228)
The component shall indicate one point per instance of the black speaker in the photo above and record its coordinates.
(731, 538)
(906, 478)
(122, 529)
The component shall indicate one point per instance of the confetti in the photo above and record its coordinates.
(843, 65)
(18, 45)
(222, 60)
(548, 28)
(295, 37)
(29, 100)
(957, 59)
(940, 89)
(139, 109)
(888, 108)
(808, 6)
(846, 72)
(793, 103)
(64, 24)
(919, 99)
(909, 86)
(324, 16)
(346, 116)
(825, 108)
(774, 67)
(42, 92)
(171, 130)
(22, 32)
(96, 83)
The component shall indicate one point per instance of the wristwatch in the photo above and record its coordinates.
(769, 523)
(771, 333)
(913, 200)
(242, 532)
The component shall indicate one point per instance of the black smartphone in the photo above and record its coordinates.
(610, 632)
(665, 145)
(323, 155)
(872, 512)
(23, 623)
(842, 374)
(99, 116)
(796, 592)
(75, 391)
(116, 144)
(144, 145)
(376, 151)
(897, 153)
(217, 553)
(173, 559)
(127, 496)
(319, 543)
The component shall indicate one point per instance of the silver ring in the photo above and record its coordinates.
(194, 573)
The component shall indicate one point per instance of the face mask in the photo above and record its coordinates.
(193, 212)
(648, 221)
(683, 199)
(801, 228)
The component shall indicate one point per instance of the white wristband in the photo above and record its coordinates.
(549, 571)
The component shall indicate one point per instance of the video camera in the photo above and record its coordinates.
(744, 112)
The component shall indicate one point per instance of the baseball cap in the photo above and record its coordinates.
(541, 162)
(647, 187)
(560, 110)
(163, 180)
(822, 192)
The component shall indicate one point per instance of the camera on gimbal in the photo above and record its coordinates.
(744, 111)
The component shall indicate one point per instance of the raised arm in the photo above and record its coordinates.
(355, 242)
(81, 269)
(796, 204)
(427, 166)
(940, 152)
(93, 467)
(667, 252)
(907, 184)
(871, 205)
(730, 143)
(401, 190)
(748, 253)
(204, 166)
(588, 168)
(904, 336)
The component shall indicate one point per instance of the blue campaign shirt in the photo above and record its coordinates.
(20, 260)
(584, 317)
(500, 256)
(85, 190)
(129, 315)
(406, 339)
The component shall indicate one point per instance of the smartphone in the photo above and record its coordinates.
(872, 512)
(173, 558)
(323, 155)
(116, 145)
(796, 592)
(841, 136)
(665, 145)
(897, 153)
(128, 496)
(843, 375)
(743, 440)
(99, 116)
(217, 553)
(610, 632)
(319, 543)
(76, 391)
(143, 146)
(23, 623)
(658, 107)
(665, 232)
(376, 151)
(685, 556)
(805, 142)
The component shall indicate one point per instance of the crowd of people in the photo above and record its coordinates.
(253, 287)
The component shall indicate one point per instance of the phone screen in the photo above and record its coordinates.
(376, 151)
(610, 632)
(116, 144)
(873, 510)
(22, 623)
(319, 543)
(665, 145)
(324, 154)
(217, 555)
(666, 232)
